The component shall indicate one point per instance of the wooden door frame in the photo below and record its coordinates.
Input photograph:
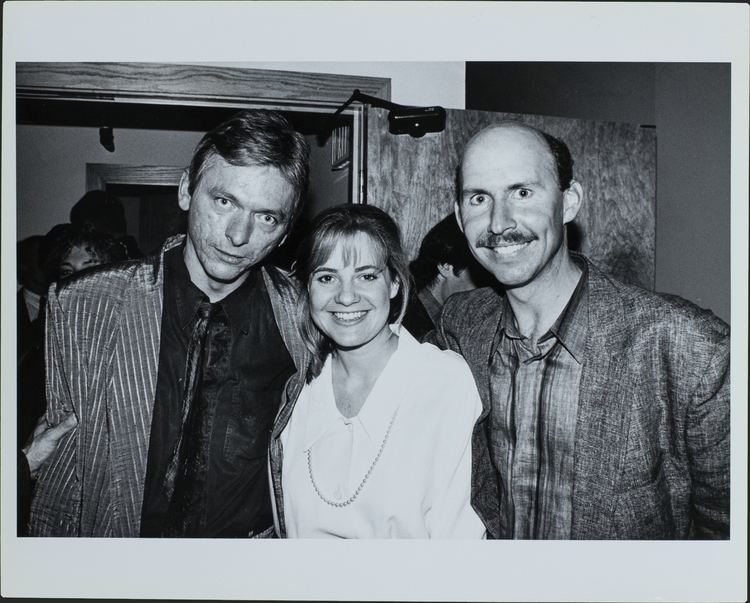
(200, 85)
(99, 175)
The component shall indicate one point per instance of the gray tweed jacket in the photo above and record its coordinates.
(652, 436)
(103, 335)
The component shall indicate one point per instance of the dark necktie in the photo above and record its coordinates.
(184, 483)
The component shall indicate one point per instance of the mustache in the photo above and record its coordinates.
(491, 240)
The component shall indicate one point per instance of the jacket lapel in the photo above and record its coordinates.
(603, 417)
(284, 300)
(477, 346)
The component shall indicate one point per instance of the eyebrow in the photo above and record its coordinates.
(515, 187)
(358, 269)
(510, 187)
(472, 191)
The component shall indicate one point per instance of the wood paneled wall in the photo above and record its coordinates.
(414, 180)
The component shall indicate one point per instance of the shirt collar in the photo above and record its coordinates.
(177, 278)
(383, 401)
(188, 296)
(571, 326)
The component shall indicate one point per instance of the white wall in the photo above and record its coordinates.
(51, 166)
(51, 160)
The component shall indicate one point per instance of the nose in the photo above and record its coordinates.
(239, 230)
(501, 218)
(347, 293)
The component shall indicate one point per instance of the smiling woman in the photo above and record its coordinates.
(378, 442)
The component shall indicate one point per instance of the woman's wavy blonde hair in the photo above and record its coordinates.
(346, 224)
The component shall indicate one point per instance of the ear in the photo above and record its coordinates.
(457, 211)
(183, 195)
(395, 286)
(446, 270)
(572, 200)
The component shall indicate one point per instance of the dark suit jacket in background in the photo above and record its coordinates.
(652, 436)
(103, 335)
(31, 402)
(416, 318)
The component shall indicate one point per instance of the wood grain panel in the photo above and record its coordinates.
(414, 180)
(193, 82)
(98, 175)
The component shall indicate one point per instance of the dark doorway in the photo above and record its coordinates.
(152, 213)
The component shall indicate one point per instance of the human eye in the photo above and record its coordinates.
(522, 194)
(324, 278)
(268, 219)
(222, 202)
(478, 199)
(369, 277)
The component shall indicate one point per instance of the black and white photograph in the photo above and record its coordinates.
(324, 315)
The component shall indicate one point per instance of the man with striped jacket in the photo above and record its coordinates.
(156, 421)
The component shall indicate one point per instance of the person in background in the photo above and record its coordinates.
(607, 404)
(444, 266)
(104, 212)
(174, 364)
(33, 287)
(374, 437)
(30, 303)
(76, 248)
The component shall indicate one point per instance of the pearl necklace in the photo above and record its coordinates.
(351, 499)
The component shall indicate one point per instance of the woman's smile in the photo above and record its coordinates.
(349, 317)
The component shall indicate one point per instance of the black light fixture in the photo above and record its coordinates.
(107, 138)
(402, 119)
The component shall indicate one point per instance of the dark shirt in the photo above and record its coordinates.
(534, 393)
(422, 313)
(246, 365)
(32, 402)
(23, 495)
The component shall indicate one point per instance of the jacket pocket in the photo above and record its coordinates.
(644, 512)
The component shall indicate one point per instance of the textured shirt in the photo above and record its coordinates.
(245, 366)
(534, 388)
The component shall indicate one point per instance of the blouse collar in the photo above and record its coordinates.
(386, 396)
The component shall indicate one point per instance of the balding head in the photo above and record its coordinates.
(513, 205)
(560, 161)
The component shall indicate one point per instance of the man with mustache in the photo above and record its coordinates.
(606, 406)
(174, 364)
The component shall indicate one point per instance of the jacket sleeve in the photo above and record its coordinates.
(707, 434)
(55, 506)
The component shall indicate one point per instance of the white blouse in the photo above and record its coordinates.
(401, 468)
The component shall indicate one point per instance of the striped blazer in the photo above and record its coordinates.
(103, 336)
